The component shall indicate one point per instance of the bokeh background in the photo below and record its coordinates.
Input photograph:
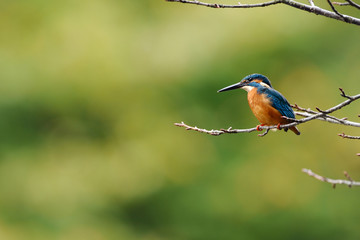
(89, 94)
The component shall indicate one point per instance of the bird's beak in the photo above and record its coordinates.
(232, 87)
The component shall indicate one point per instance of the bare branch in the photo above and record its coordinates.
(330, 119)
(349, 182)
(309, 8)
(341, 4)
(348, 3)
(218, 132)
(211, 132)
(239, 5)
(309, 115)
(343, 104)
(334, 9)
(308, 110)
(348, 176)
(336, 120)
(343, 135)
(353, 4)
(343, 94)
(264, 133)
(230, 130)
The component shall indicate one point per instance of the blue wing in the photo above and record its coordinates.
(279, 102)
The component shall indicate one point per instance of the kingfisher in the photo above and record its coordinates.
(268, 105)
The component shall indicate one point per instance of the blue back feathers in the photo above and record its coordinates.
(278, 101)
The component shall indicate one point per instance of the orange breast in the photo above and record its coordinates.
(262, 109)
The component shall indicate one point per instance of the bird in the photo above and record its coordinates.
(268, 105)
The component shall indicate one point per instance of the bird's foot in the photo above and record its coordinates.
(258, 127)
(278, 126)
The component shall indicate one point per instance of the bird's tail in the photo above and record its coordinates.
(295, 130)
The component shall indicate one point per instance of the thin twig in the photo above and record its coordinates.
(239, 5)
(211, 132)
(353, 4)
(341, 4)
(348, 176)
(308, 110)
(334, 9)
(309, 8)
(347, 3)
(343, 94)
(343, 135)
(264, 133)
(330, 119)
(333, 182)
(302, 109)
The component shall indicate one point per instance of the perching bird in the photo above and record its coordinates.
(267, 104)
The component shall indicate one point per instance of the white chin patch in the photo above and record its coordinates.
(247, 88)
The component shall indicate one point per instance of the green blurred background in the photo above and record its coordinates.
(89, 94)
